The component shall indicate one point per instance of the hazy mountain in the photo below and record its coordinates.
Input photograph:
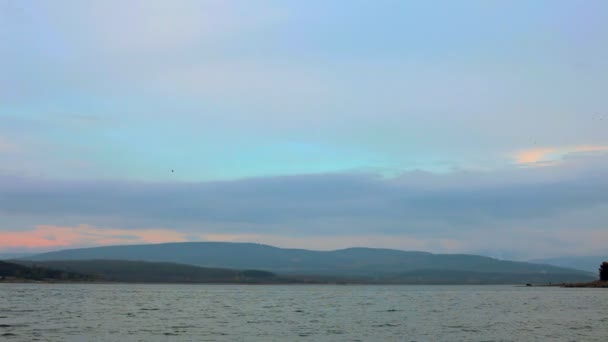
(352, 262)
(585, 263)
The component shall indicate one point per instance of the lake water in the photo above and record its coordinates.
(116, 312)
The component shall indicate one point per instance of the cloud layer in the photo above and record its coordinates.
(461, 207)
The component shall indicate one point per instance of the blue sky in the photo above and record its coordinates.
(234, 92)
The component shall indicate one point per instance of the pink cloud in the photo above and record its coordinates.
(547, 156)
(48, 236)
(533, 155)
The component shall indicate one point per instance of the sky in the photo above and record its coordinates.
(450, 127)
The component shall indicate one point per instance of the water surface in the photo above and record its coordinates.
(118, 312)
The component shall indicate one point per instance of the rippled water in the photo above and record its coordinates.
(87, 312)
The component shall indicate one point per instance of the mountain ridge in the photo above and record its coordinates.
(348, 262)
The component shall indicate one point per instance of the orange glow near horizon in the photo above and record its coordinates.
(48, 236)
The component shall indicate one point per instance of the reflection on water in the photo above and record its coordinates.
(113, 312)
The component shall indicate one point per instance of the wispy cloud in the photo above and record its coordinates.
(590, 148)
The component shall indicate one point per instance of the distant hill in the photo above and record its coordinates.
(584, 263)
(8, 256)
(369, 263)
(156, 272)
(14, 271)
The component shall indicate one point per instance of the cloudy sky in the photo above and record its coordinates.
(469, 126)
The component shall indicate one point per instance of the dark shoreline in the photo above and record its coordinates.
(597, 284)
